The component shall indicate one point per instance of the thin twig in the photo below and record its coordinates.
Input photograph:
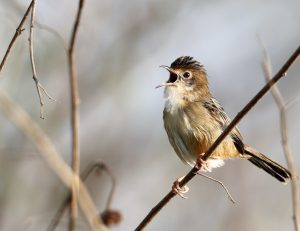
(282, 106)
(100, 165)
(74, 114)
(221, 183)
(16, 35)
(292, 102)
(49, 153)
(282, 72)
(54, 32)
(39, 87)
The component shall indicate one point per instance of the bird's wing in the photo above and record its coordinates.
(218, 113)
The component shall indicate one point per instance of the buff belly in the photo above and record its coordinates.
(192, 137)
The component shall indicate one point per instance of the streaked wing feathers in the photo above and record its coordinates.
(218, 113)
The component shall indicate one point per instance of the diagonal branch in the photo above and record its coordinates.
(74, 114)
(191, 174)
(16, 35)
(282, 106)
(39, 87)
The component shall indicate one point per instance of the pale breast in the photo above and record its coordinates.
(192, 130)
(180, 135)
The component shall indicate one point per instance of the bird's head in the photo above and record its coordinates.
(187, 81)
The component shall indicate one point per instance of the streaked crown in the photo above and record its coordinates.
(187, 62)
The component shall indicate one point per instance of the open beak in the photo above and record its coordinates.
(169, 69)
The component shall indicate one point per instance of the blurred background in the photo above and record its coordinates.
(118, 52)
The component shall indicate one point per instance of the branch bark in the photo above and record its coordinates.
(74, 115)
(282, 106)
(16, 35)
(190, 175)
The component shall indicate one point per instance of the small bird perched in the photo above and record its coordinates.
(194, 119)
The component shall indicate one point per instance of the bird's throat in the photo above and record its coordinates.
(175, 99)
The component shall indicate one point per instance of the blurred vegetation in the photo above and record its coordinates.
(120, 46)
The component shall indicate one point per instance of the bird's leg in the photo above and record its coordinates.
(201, 164)
(179, 190)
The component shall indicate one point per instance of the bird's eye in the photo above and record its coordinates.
(187, 74)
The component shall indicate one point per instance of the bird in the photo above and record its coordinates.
(194, 119)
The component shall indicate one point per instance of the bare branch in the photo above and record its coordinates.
(191, 174)
(49, 153)
(74, 114)
(39, 87)
(97, 165)
(16, 35)
(282, 106)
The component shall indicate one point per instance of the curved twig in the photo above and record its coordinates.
(220, 183)
(100, 165)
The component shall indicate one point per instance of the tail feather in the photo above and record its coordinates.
(270, 166)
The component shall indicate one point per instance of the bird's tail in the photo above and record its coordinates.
(270, 166)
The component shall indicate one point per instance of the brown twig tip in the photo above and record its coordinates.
(111, 217)
(18, 32)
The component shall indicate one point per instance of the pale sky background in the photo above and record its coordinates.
(120, 47)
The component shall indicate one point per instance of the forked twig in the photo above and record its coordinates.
(97, 165)
(191, 174)
(282, 106)
(40, 89)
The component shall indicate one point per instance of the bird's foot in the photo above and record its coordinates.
(180, 190)
(202, 165)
